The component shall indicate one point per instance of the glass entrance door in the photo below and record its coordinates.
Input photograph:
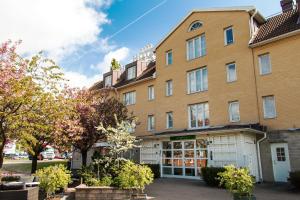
(183, 158)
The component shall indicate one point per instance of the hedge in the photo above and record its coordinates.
(210, 175)
(155, 169)
(295, 179)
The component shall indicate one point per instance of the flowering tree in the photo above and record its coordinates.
(94, 108)
(16, 90)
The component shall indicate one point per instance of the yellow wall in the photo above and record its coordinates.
(283, 82)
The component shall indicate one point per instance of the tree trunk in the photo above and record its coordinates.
(1, 153)
(84, 157)
(34, 163)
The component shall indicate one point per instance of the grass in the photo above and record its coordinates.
(25, 168)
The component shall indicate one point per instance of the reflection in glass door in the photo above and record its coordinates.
(184, 158)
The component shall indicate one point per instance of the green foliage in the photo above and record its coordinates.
(237, 180)
(155, 168)
(119, 138)
(10, 178)
(210, 175)
(295, 179)
(115, 64)
(134, 176)
(53, 178)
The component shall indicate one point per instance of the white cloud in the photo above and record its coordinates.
(58, 27)
(79, 80)
(120, 54)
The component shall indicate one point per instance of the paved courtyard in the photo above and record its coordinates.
(182, 189)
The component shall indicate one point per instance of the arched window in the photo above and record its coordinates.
(195, 25)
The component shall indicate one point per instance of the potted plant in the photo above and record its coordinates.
(238, 181)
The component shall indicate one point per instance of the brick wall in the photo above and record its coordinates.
(107, 193)
(27, 194)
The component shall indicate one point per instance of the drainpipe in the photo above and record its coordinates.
(259, 159)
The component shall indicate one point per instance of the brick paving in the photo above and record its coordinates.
(183, 189)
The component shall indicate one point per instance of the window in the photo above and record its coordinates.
(280, 153)
(151, 93)
(169, 58)
(169, 120)
(269, 107)
(196, 47)
(129, 98)
(131, 72)
(169, 88)
(264, 64)
(231, 72)
(107, 81)
(199, 115)
(197, 80)
(151, 122)
(228, 36)
(195, 25)
(234, 111)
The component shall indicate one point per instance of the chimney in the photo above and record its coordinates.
(287, 5)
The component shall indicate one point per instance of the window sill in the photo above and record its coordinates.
(169, 95)
(232, 81)
(236, 121)
(266, 74)
(226, 45)
(196, 58)
(191, 93)
(269, 118)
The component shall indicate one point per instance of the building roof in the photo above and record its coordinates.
(250, 9)
(276, 26)
(147, 73)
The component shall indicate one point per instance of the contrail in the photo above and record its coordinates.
(137, 19)
(122, 29)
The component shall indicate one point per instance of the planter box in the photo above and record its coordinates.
(107, 193)
(26, 194)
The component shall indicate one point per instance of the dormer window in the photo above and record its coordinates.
(131, 72)
(107, 81)
(195, 25)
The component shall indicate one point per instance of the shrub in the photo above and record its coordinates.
(53, 178)
(155, 168)
(237, 180)
(295, 179)
(210, 175)
(134, 176)
(10, 178)
(105, 181)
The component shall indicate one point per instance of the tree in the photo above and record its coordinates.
(119, 138)
(115, 64)
(16, 91)
(94, 108)
(48, 106)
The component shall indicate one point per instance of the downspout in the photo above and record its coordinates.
(259, 159)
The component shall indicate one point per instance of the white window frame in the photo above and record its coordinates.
(167, 57)
(131, 74)
(168, 114)
(169, 88)
(106, 83)
(260, 64)
(129, 98)
(203, 87)
(191, 26)
(150, 123)
(200, 37)
(151, 93)
(231, 119)
(274, 107)
(225, 35)
(228, 74)
(203, 115)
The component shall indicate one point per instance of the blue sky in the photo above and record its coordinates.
(82, 44)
